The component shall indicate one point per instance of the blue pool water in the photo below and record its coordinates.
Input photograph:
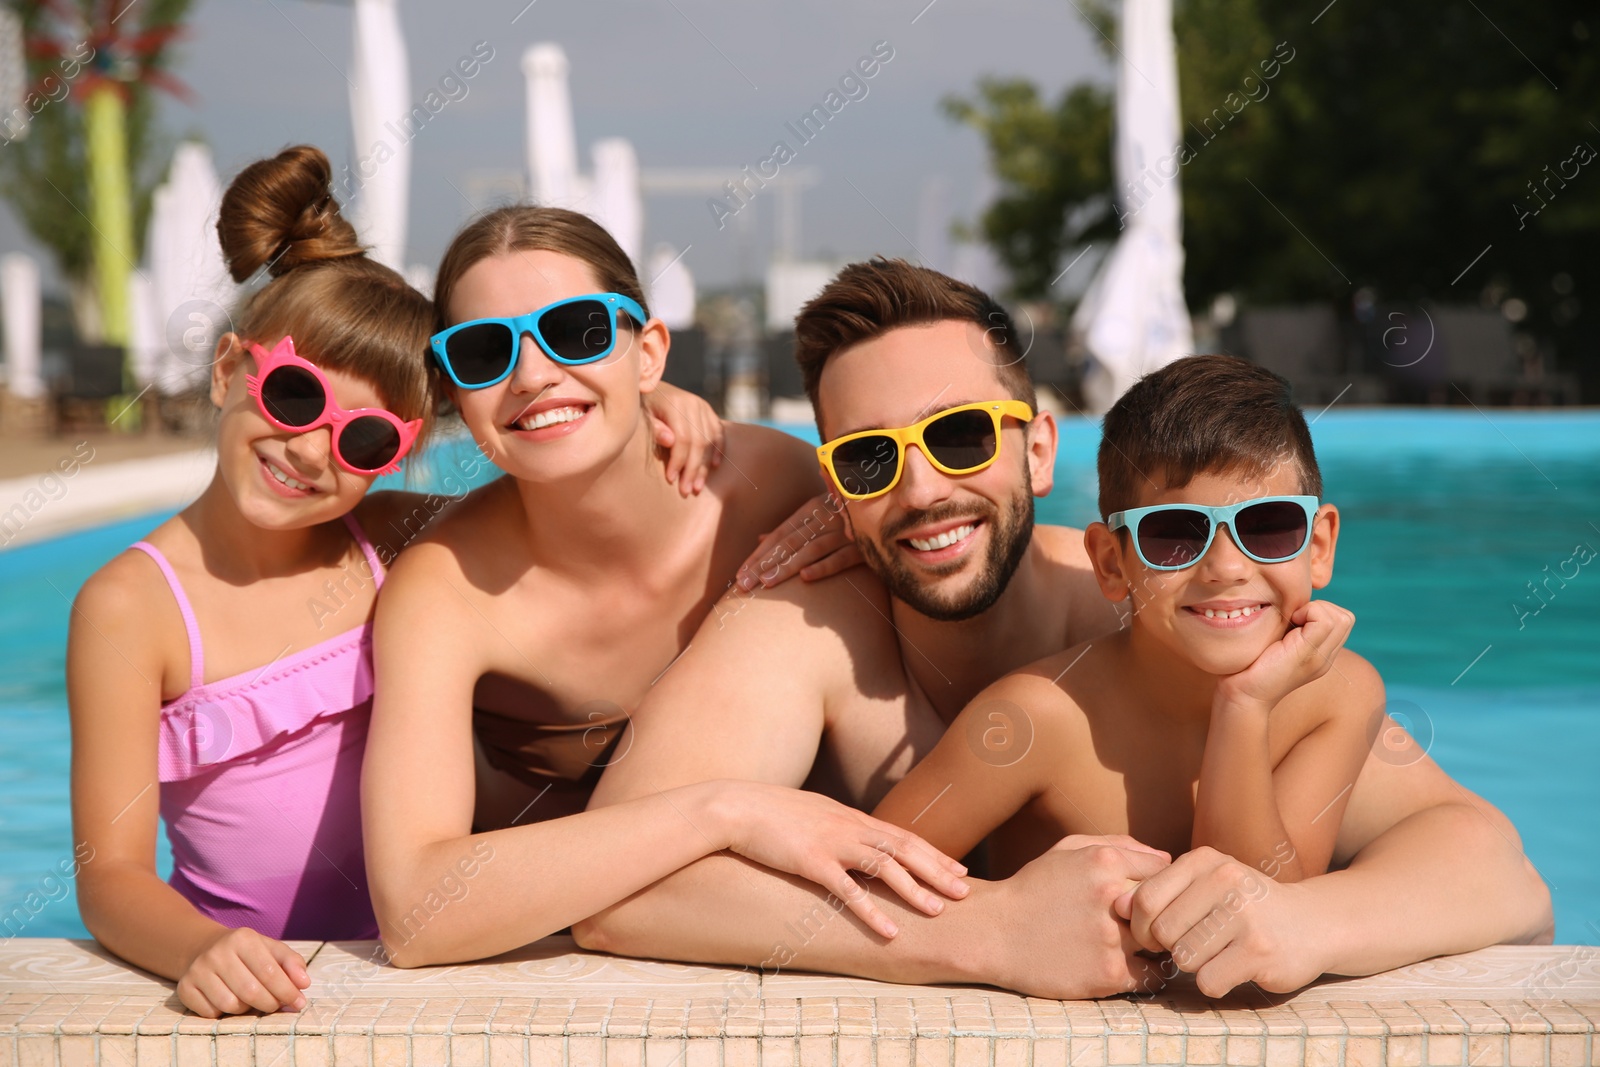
(1451, 520)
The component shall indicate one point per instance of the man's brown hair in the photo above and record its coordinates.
(1200, 414)
(869, 299)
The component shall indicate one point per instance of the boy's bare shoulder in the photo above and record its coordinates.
(1036, 696)
(1356, 683)
(1351, 694)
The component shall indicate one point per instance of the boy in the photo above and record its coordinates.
(1226, 713)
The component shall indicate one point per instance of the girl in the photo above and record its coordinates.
(228, 655)
(553, 598)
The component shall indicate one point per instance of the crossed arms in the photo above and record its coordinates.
(1431, 868)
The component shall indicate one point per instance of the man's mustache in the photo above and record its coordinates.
(942, 513)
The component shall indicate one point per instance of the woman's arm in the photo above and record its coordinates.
(1283, 819)
(812, 543)
(531, 880)
(690, 430)
(115, 667)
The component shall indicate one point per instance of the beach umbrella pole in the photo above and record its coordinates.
(110, 207)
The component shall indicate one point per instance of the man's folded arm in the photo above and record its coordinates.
(1047, 931)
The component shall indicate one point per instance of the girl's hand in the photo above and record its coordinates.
(242, 970)
(811, 543)
(1316, 633)
(688, 427)
(819, 839)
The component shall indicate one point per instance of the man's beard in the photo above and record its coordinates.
(1008, 542)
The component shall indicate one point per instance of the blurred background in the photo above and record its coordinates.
(1386, 205)
(1396, 206)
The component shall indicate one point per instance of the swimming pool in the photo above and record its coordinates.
(1468, 553)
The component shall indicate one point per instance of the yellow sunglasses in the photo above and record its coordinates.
(959, 440)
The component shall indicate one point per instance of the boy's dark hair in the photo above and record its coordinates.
(1198, 414)
(869, 299)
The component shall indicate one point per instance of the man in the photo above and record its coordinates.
(842, 684)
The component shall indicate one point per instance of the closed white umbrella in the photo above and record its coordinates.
(145, 337)
(379, 109)
(19, 300)
(617, 204)
(13, 77)
(551, 144)
(671, 288)
(1133, 319)
(190, 292)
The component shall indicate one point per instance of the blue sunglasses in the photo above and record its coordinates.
(1268, 529)
(581, 329)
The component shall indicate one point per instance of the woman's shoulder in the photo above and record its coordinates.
(403, 518)
(444, 535)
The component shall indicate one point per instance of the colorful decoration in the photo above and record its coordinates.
(103, 53)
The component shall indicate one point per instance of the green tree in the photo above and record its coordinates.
(73, 50)
(1396, 144)
(1054, 169)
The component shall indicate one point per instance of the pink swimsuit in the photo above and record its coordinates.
(260, 783)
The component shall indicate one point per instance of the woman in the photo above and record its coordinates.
(511, 639)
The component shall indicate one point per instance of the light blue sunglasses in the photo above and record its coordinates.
(1268, 529)
(580, 329)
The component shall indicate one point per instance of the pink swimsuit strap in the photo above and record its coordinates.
(191, 625)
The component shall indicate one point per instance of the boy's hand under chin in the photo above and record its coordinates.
(1317, 631)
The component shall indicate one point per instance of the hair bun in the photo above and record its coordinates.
(280, 213)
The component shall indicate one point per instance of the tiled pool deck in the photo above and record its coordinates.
(550, 1005)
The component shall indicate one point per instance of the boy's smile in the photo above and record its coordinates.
(1221, 612)
(1228, 614)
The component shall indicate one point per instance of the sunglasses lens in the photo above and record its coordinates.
(866, 465)
(369, 443)
(1275, 530)
(579, 332)
(480, 353)
(961, 440)
(293, 396)
(1173, 538)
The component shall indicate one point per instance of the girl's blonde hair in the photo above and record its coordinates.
(345, 310)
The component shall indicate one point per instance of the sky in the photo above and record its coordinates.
(691, 83)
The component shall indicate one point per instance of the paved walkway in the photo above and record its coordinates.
(551, 1005)
(85, 484)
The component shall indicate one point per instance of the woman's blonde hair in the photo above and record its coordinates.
(528, 228)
